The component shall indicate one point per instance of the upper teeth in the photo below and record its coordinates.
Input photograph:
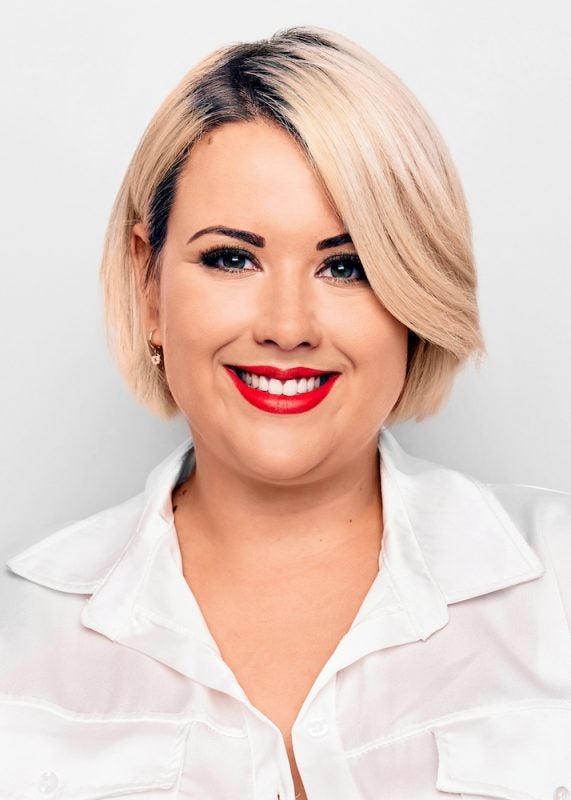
(275, 386)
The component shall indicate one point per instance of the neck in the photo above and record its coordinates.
(222, 516)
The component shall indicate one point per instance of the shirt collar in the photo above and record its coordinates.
(446, 538)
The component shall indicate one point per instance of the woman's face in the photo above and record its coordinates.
(282, 302)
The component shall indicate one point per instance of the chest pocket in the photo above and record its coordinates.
(50, 755)
(521, 754)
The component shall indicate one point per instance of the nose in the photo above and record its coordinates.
(287, 312)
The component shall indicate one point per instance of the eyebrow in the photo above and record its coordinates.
(259, 241)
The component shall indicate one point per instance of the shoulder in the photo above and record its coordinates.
(544, 517)
(51, 577)
(43, 592)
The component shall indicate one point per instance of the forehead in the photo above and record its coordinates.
(254, 171)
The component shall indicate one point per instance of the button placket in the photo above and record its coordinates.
(316, 742)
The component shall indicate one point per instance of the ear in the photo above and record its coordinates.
(140, 250)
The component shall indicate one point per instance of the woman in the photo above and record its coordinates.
(293, 607)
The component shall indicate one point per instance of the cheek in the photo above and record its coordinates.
(381, 350)
(199, 314)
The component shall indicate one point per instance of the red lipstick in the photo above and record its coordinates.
(280, 403)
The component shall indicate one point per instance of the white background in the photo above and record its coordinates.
(79, 83)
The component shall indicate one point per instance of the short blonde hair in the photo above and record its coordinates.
(382, 164)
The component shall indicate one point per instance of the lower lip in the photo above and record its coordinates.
(281, 403)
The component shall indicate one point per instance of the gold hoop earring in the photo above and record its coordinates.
(156, 350)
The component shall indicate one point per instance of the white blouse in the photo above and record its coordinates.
(454, 679)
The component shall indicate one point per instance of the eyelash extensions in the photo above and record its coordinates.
(210, 256)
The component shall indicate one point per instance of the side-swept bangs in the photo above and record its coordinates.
(381, 162)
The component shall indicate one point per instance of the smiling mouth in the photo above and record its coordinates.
(274, 386)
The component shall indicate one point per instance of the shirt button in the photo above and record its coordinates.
(319, 727)
(48, 782)
(561, 793)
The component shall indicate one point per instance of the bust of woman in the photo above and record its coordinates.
(298, 608)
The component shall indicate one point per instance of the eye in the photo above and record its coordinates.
(232, 258)
(345, 268)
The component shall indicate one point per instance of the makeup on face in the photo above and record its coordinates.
(278, 391)
(272, 330)
(258, 241)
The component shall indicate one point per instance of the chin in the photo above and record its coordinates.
(282, 463)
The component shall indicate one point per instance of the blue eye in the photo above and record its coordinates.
(345, 268)
(235, 256)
